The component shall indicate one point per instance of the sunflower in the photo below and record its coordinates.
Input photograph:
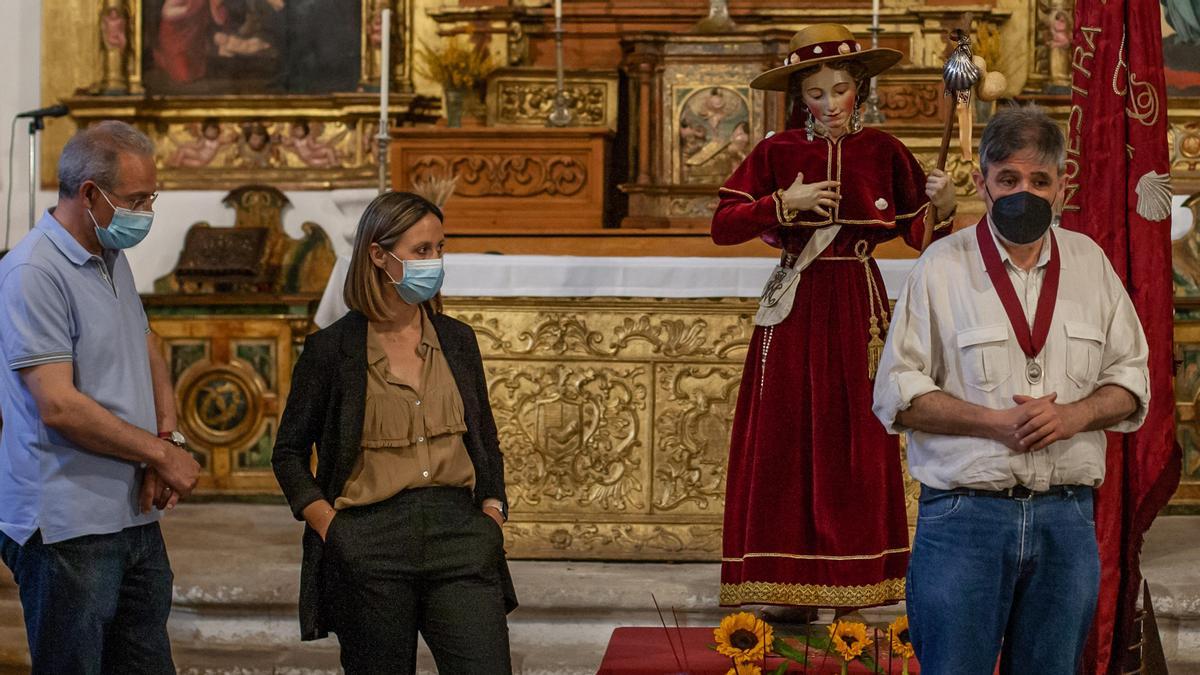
(849, 639)
(744, 668)
(901, 643)
(743, 637)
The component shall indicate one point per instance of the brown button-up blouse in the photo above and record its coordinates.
(412, 431)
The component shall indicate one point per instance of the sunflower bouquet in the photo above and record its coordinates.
(748, 640)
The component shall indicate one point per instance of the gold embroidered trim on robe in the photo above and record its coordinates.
(766, 593)
(797, 556)
(783, 214)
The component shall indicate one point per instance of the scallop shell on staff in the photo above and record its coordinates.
(960, 73)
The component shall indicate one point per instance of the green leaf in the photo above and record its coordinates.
(869, 662)
(781, 670)
(789, 652)
(818, 642)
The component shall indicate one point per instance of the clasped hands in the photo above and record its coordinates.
(1036, 423)
(169, 480)
(822, 196)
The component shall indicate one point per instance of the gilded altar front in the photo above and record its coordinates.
(614, 418)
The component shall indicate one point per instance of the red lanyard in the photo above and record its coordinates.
(1031, 341)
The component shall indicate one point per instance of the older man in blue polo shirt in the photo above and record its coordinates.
(88, 450)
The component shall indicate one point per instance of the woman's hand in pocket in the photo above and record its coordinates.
(319, 515)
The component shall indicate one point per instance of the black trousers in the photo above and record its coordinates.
(425, 560)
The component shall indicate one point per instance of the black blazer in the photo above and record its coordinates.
(326, 407)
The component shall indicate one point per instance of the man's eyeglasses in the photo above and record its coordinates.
(141, 204)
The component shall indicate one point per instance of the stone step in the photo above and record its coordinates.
(1169, 557)
(237, 573)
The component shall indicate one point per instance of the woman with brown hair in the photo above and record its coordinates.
(814, 505)
(404, 514)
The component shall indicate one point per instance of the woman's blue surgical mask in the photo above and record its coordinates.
(127, 228)
(422, 279)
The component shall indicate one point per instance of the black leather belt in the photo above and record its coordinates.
(1014, 492)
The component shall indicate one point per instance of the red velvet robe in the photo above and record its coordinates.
(814, 502)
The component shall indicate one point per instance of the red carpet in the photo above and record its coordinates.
(645, 651)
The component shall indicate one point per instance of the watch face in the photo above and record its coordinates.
(178, 439)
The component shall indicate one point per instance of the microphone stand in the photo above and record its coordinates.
(36, 124)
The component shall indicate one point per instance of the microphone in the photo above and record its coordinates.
(57, 110)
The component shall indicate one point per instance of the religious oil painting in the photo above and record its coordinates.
(229, 47)
(1181, 46)
(714, 132)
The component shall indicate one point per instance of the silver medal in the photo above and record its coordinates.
(1033, 372)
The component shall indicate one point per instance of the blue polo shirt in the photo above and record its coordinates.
(61, 304)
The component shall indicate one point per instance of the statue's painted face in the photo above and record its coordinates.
(829, 94)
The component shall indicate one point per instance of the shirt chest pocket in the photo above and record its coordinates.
(983, 353)
(1085, 347)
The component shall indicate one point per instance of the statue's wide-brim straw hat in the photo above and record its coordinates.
(825, 43)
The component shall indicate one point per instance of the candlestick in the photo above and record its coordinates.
(872, 114)
(385, 67)
(561, 115)
(875, 13)
(385, 62)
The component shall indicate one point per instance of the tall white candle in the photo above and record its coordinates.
(875, 13)
(385, 66)
(557, 11)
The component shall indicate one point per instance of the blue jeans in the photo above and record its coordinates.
(95, 604)
(1014, 578)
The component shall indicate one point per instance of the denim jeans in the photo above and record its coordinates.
(1014, 578)
(97, 603)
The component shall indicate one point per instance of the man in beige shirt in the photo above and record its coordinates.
(1014, 346)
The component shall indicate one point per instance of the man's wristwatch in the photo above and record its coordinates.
(174, 437)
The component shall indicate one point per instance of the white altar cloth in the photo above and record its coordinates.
(489, 275)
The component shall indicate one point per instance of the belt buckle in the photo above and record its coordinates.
(1020, 493)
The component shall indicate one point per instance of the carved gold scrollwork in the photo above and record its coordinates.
(603, 540)
(692, 435)
(958, 169)
(1184, 140)
(613, 416)
(561, 334)
(508, 175)
(572, 434)
(570, 334)
(670, 337)
(525, 102)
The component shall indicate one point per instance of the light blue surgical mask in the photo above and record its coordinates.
(421, 281)
(127, 228)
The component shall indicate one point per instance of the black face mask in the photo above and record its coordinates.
(1022, 217)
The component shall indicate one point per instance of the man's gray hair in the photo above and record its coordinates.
(1016, 128)
(95, 153)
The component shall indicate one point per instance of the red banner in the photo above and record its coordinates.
(1119, 194)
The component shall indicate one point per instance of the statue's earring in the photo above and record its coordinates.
(810, 125)
(855, 117)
